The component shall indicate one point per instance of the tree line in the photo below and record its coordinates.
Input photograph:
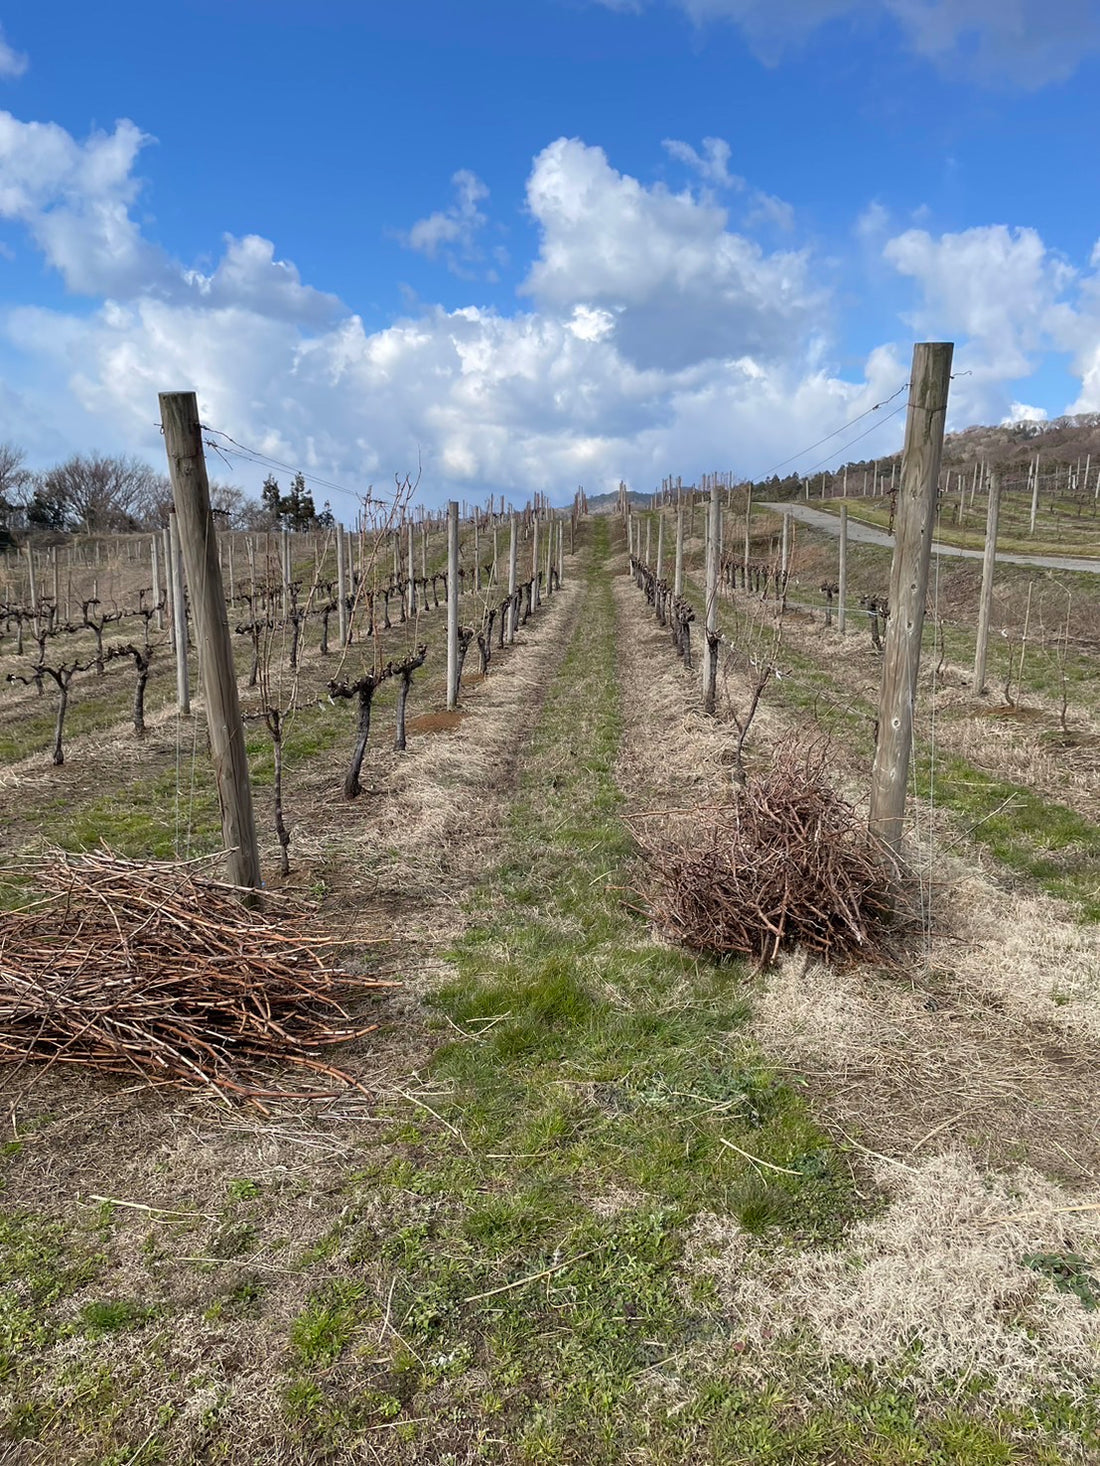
(96, 493)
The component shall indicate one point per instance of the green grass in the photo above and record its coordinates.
(588, 1081)
(176, 811)
(1045, 842)
(42, 1264)
(1059, 529)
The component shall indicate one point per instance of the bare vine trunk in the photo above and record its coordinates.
(62, 707)
(352, 786)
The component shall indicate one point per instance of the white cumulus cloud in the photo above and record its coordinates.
(654, 337)
(681, 285)
(1001, 291)
(712, 164)
(453, 232)
(74, 198)
(13, 63)
(1022, 412)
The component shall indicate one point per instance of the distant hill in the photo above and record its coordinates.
(1063, 444)
(1062, 441)
(607, 503)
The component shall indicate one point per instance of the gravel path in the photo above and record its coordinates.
(866, 534)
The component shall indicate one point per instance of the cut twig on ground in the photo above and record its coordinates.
(787, 863)
(125, 965)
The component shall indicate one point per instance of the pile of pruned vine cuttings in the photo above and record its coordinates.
(788, 863)
(154, 968)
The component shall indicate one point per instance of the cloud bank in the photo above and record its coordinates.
(652, 336)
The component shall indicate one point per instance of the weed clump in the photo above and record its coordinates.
(787, 863)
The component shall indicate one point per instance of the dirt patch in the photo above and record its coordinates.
(435, 722)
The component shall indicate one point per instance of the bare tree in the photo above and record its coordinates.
(14, 478)
(102, 495)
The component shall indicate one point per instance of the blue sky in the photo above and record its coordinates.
(543, 243)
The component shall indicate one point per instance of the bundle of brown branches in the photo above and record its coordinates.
(153, 967)
(788, 863)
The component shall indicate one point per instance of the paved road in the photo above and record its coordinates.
(866, 534)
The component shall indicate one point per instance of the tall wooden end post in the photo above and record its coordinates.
(929, 384)
(513, 552)
(341, 586)
(179, 414)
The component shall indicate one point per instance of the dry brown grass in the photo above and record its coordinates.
(987, 1039)
(932, 1289)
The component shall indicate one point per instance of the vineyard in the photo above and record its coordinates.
(589, 1083)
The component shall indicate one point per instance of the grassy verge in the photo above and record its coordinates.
(1068, 534)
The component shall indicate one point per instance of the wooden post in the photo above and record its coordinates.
(648, 532)
(411, 589)
(710, 656)
(930, 380)
(985, 599)
(784, 548)
(250, 549)
(534, 562)
(678, 580)
(341, 587)
(32, 586)
(179, 414)
(512, 557)
(169, 582)
(561, 553)
(748, 528)
(179, 617)
(452, 605)
(156, 584)
(549, 555)
(660, 545)
(1034, 498)
(842, 578)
